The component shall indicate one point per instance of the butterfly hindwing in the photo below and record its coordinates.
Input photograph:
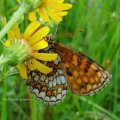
(49, 88)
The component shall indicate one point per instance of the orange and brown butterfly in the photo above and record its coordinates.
(71, 69)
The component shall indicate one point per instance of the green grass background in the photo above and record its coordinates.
(100, 20)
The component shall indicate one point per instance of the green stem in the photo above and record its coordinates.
(4, 97)
(16, 16)
(3, 60)
(99, 108)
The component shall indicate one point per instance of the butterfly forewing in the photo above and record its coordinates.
(85, 76)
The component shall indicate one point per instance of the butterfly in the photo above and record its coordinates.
(71, 69)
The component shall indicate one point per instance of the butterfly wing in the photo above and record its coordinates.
(85, 76)
(49, 88)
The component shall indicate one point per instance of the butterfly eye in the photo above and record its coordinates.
(51, 37)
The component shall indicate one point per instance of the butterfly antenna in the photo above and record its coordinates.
(56, 28)
(51, 37)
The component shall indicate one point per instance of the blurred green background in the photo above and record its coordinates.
(100, 40)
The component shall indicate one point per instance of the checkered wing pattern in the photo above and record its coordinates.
(85, 76)
(50, 88)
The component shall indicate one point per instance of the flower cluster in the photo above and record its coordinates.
(23, 50)
(51, 10)
(32, 41)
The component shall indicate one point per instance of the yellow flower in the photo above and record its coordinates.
(51, 10)
(31, 41)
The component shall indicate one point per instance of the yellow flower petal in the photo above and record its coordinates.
(11, 35)
(32, 16)
(60, 7)
(31, 66)
(16, 30)
(54, 16)
(47, 1)
(43, 15)
(31, 28)
(40, 34)
(60, 1)
(40, 45)
(41, 67)
(62, 13)
(65, 6)
(23, 71)
(54, 5)
(8, 43)
(45, 56)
